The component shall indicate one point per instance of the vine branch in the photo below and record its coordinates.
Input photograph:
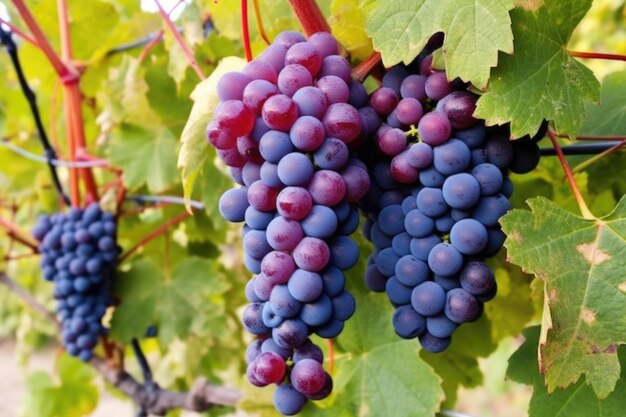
(19, 235)
(582, 205)
(19, 32)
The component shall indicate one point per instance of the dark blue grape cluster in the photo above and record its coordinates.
(440, 185)
(79, 254)
(285, 126)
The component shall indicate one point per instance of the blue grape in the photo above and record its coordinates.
(318, 312)
(440, 326)
(418, 224)
(401, 244)
(411, 271)
(421, 247)
(253, 319)
(344, 253)
(461, 306)
(430, 201)
(374, 280)
(269, 317)
(291, 333)
(233, 204)
(391, 219)
(344, 306)
(469, 236)
(321, 222)
(428, 298)
(477, 278)
(334, 281)
(386, 262)
(274, 145)
(434, 344)
(283, 302)
(489, 209)
(330, 329)
(445, 260)
(461, 191)
(288, 401)
(451, 157)
(398, 293)
(489, 178)
(304, 286)
(333, 154)
(408, 323)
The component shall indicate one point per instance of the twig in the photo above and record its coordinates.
(154, 234)
(201, 397)
(331, 356)
(310, 16)
(11, 48)
(181, 42)
(92, 163)
(165, 199)
(19, 32)
(586, 164)
(148, 379)
(597, 55)
(245, 30)
(582, 205)
(146, 49)
(259, 22)
(21, 236)
(18, 290)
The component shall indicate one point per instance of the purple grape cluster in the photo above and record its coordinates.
(79, 254)
(286, 125)
(440, 185)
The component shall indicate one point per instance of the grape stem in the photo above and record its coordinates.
(331, 356)
(154, 234)
(582, 205)
(30, 96)
(19, 32)
(365, 68)
(597, 55)
(181, 42)
(148, 378)
(245, 30)
(259, 21)
(310, 16)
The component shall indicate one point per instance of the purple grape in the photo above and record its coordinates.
(305, 54)
(292, 78)
(333, 154)
(294, 203)
(342, 121)
(260, 70)
(434, 128)
(231, 86)
(284, 234)
(338, 66)
(327, 187)
(256, 93)
(384, 100)
(437, 86)
(279, 112)
(307, 133)
(311, 101)
(311, 254)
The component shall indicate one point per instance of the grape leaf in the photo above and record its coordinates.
(540, 80)
(582, 263)
(609, 117)
(347, 22)
(146, 157)
(194, 148)
(475, 31)
(73, 395)
(151, 295)
(575, 401)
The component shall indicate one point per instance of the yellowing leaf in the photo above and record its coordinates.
(582, 263)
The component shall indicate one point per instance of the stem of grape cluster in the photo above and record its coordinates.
(365, 68)
(245, 30)
(598, 55)
(18, 234)
(594, 137)
(582, 205)
(310, 16)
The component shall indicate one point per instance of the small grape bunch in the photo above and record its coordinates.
(79, 255)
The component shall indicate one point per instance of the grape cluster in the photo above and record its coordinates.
(285, 126)
(79, 254)
(440, 185)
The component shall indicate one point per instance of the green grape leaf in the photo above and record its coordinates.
(540, 80)
(577, 400)
(172, 300)
(347, 22)
(194, 149)
(73, 394)
(609, 117)
(475, 31)
(145, 156)
(582, 264)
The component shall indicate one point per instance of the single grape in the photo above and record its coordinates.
(398, 293)
(445, 260)
(335, 89)
(461, 191)
(434, 128)
(306, 55)
(231, 86)
(408, 323)
(461, 306)
(279, 112)
(469, 236)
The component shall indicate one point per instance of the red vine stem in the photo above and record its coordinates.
(245, 30)
(73, 109)
(146, 49)
(584, 210)
(597, 55)
(594, 137)
(259, 21)
(361, 71)
(18, 234)
(310, 16)
(154, 234)
(19, 32)
(181, 42)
